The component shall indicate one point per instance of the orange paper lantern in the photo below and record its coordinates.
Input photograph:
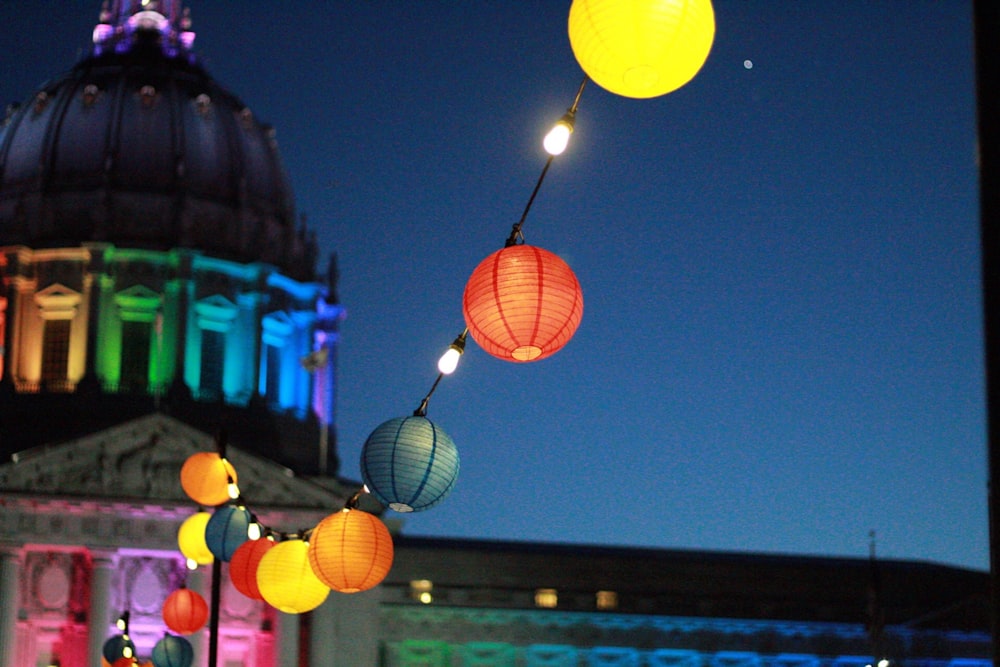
(351, 551)
(185, 611)
(286, 579)
(243, 566)
(206, 477)
(522, 303)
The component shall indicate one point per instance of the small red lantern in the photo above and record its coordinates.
(351, 551)
(243, 566)
(206, 477)
(185, 611)
(522, 303)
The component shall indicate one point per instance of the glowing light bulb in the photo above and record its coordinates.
(254, 531)
(449, 360)
(192, 564)
(557, 139)
(232, 489)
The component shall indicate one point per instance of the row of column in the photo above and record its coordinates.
(340, 633)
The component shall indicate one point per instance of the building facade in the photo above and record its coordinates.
(159, 295)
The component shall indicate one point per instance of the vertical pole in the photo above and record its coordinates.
(213, 611)
(986, 18)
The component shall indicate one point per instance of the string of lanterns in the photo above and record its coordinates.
(522, 303)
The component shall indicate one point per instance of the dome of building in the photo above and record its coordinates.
(139, 147)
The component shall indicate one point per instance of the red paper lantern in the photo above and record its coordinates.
(243, 566)
(522, 303)
(185, 611)
(351, 551)
(206, 477)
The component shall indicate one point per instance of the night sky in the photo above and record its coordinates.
(781, 347)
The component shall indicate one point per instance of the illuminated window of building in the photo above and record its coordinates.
(546, 598)
(212, 362)
(271, 372)
(421, 590)
(55, 352)
(607, 600)
(57, 306)
(215, 316)
(135, 355)
(276, 383)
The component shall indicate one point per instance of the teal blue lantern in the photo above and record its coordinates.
(119, 646)
(227, 530)
(173, 651)
(409, 464)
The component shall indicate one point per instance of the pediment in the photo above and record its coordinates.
(57, 290)
(141, 460)
(140, 292)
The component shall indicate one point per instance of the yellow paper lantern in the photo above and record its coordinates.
(191, 538)
(206, 477)
(641, 48)
(351, 551)
(286, 580)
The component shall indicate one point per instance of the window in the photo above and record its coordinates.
(607, 600)
(55, 353)
(135, 355)
(420, 590)
(546, 598)
(272, 373)
(212, 361)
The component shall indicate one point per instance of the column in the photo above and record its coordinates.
(344, 631)
(92, 289)
(287, 648)
(10, 574)
(99, 619)
(200, 581)
(13, 320)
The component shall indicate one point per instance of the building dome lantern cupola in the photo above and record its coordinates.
(125, 23)
(138, 146)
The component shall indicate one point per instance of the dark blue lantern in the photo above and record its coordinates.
(409, 464)
(119, 646)
(173, 651)
(227, 530)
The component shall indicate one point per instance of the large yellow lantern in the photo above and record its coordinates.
(191, 538)
(351, 551)
(286, 580)
(641, 48)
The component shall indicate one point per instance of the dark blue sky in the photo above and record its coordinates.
(781, 346)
